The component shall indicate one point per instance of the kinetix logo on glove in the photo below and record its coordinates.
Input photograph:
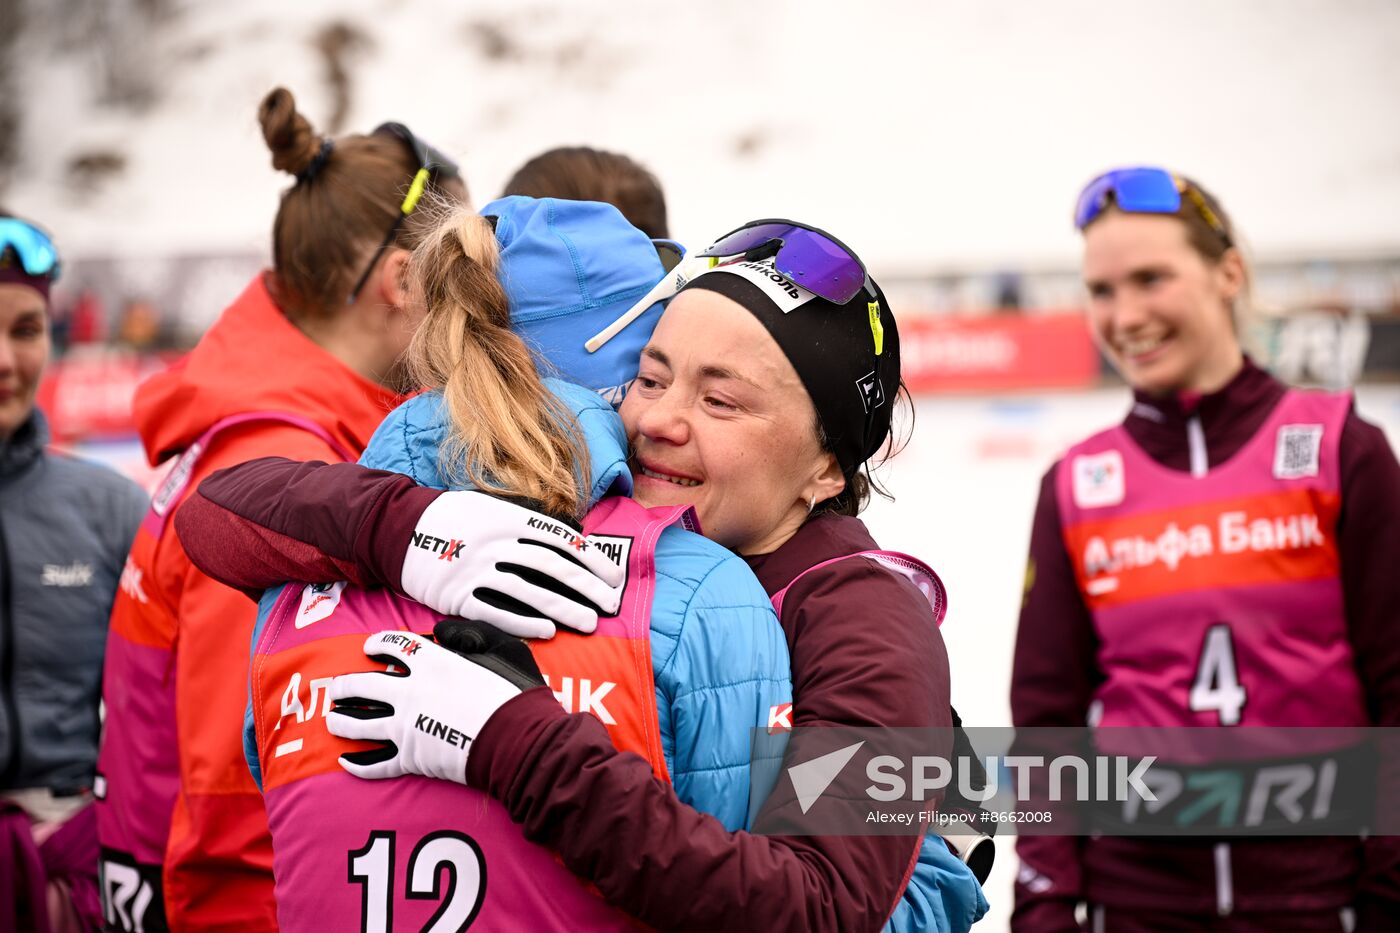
(579, 542)
(446, 550)
(408, 642)
(441, 730)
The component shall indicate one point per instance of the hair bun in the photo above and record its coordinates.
(289, 135)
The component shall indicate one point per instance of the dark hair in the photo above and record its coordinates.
(579, 173)
(330, 222)
(860, 483)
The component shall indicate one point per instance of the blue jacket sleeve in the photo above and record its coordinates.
(942, 895)
(719, 673)
(250, 735)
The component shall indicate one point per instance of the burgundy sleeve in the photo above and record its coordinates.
(1368, 540)
(267, 521)
(1053, 678)
(867, 657)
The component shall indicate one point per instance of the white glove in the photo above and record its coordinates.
(479, 557)
(428, 714)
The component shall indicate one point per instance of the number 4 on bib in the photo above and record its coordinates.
(1217, 687)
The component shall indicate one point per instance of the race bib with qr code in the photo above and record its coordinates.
(1296, 455)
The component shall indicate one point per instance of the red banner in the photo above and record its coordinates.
(88, 392)
(1005, 352)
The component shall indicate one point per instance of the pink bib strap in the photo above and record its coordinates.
(178, 479)
(911, 568)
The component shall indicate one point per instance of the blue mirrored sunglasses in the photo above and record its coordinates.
(1142, 190)
(30, 246)
(810, 257)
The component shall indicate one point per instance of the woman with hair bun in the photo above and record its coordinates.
(305, 364)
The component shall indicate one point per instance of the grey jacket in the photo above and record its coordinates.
(65, 528)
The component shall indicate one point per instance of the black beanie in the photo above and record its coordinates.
(833, 348)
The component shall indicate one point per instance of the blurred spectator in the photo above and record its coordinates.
(139, 326)
(87, 320)
(65, 526)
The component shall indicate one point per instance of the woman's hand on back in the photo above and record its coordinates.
(432, 702)
(480, 557)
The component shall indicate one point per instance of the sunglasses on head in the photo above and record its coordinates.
(432, 166)
(1143, 190)
(809, 257)
(30, 246)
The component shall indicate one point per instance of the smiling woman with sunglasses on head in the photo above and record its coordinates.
(720, 417)
(305, 363)
(1263, 623)
(65, 526)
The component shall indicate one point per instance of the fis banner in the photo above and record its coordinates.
(998, 353)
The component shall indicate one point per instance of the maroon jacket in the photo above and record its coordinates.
(1055, 675)
(864, 652)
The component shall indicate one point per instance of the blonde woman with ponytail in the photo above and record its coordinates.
(683, 661)
(304, 363)
(509, 435)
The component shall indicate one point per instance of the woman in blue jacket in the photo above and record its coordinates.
(556, 265)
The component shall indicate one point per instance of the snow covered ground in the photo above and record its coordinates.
(929, 135)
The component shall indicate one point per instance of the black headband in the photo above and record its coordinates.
(832, 347)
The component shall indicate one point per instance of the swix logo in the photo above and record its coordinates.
(446, 550)
(780, 718)
(70, 575)
(571, 537)
(587, 699)
(131, 582)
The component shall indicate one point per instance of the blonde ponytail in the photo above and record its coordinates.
(509, 435)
